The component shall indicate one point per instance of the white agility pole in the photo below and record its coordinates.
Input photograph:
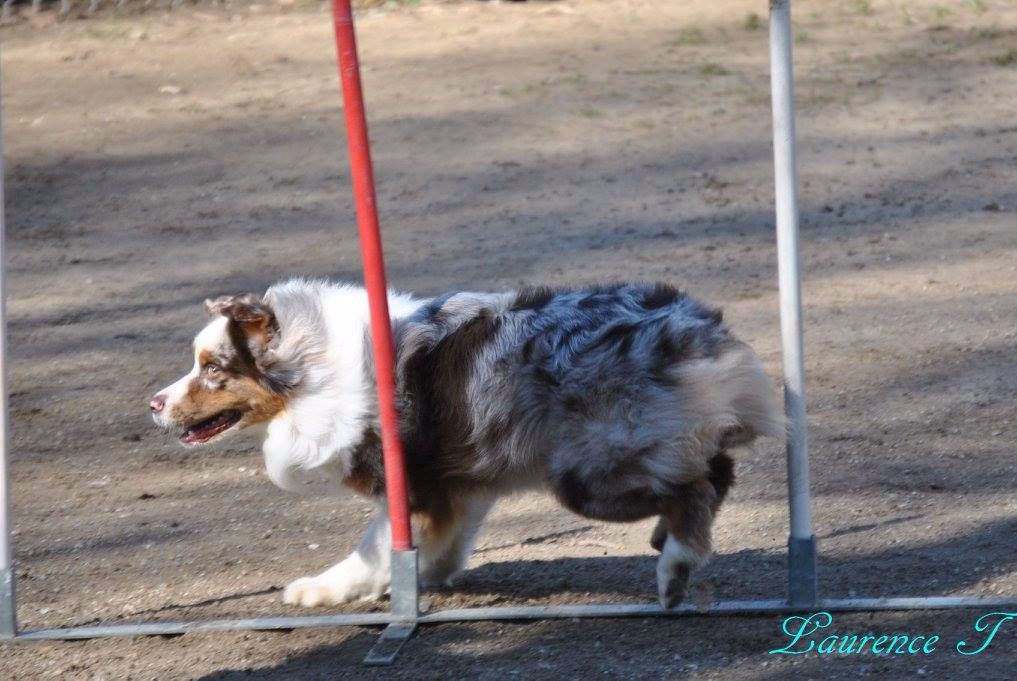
(802, 587)
(8, 612)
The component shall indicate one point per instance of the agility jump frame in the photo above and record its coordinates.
(404, 615)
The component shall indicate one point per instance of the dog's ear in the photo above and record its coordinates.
(250, 313)
(215, 306)
(253, 327)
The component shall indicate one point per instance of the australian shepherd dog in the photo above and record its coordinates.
(622, 401)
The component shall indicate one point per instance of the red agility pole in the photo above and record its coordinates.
(404, 584)
(374, 273)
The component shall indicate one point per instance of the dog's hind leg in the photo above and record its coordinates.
(721, 476)
(659, 535)
(445, 548)
(688, 517)
(363, 575)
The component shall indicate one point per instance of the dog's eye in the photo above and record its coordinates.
(212, 369)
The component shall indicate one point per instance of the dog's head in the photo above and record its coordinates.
(237, 379)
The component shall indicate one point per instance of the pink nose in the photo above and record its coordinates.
(157, 403)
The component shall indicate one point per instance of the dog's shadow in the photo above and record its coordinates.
(608, 576)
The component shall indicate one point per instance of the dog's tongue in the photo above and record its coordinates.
(206, 430)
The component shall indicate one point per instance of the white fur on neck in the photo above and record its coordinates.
(311, 440)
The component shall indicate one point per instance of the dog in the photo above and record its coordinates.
(623, 401)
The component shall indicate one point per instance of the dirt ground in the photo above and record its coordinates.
(155, 160)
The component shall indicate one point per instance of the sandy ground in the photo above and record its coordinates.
(156, 160)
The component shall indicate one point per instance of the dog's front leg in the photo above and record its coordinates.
(363, 575)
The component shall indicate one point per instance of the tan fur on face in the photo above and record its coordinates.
(235, 391)
(233, 386)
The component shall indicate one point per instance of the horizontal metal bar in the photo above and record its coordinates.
(914, 603)
(521, 613)
(747, 607)
(173, 628)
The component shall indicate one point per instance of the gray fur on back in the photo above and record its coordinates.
(611, 396)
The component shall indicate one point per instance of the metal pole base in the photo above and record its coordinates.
(389, 644)
(405, 610)
(803, 589)
(405, 588)
(8, 620)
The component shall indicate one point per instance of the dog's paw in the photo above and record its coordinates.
(326, 589)
(674, 570)
(673, 588)
(309, 592)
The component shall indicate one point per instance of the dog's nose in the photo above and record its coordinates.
(157, 403)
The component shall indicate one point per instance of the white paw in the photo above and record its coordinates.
(674, 569)
(309, 592)
(330, 589)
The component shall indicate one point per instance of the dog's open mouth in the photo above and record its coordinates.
(204, 431)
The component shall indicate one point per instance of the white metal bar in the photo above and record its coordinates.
(734, 607)
(524, 613)
(8, 607)
(172, 628)
(801, 544)
(785, 180)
